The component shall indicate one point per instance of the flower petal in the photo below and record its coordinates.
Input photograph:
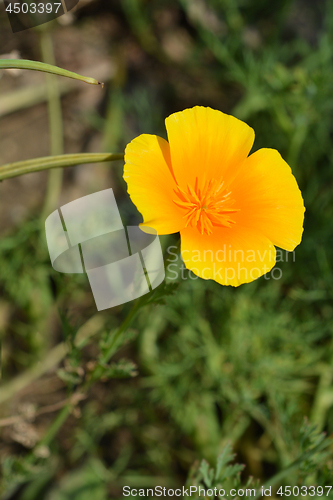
(230, 256)
(206, 144)
(270, 202)
(151, 185)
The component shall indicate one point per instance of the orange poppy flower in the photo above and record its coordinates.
(230, 208)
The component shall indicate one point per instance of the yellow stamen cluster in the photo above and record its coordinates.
(208, 206)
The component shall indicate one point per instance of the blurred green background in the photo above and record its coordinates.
(197, 369)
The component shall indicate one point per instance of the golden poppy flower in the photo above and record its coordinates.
(230, 208)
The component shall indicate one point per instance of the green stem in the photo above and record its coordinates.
(126, 323)
(56, 425)
(97, 373)
(37, 164)
(54, 182)
(45, 68)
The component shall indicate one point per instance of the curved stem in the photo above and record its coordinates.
(45, 68)
(56, 131)
(37, 164)
(111, 349)
(126, 323)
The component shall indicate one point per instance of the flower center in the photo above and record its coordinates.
(206, 207)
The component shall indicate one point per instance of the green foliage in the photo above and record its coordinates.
(316, 455)
(225, 476)
(224, 471)
(122, 369)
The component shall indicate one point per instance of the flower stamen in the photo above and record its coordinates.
(206, 207)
